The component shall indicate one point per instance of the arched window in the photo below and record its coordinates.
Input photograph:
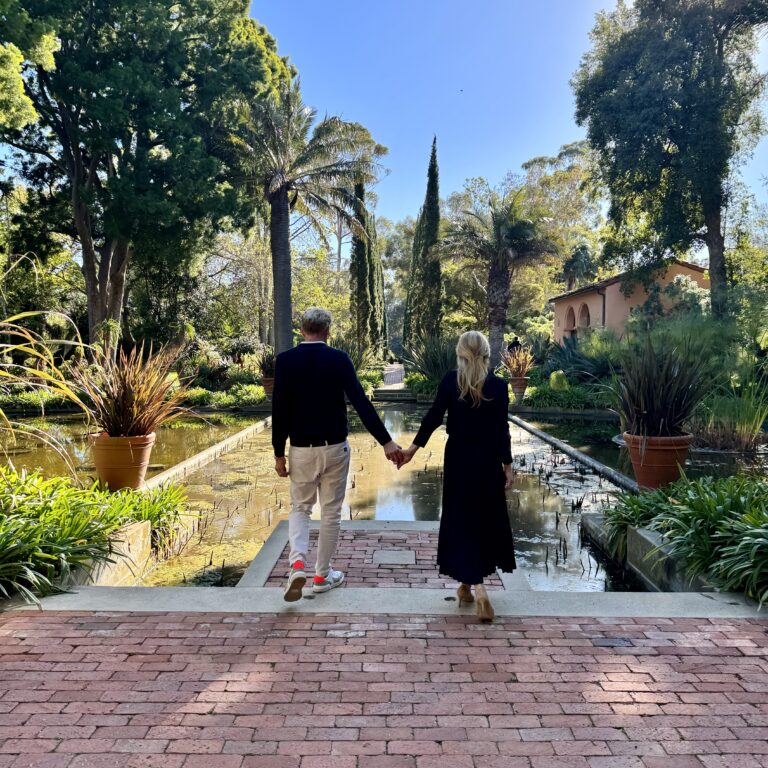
(570, 322)
(584, 316)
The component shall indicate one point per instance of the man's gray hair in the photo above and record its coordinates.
(316, 320)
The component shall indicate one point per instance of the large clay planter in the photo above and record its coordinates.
(519, 385)
(121, 462)
(268, 382)
(657, 461)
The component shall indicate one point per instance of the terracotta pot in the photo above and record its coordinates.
(121, 462)
(657, 461)
(519, 385)
(268, 382)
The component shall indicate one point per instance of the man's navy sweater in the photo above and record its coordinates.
(308, 404)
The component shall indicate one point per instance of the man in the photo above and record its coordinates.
(308, 406)
(514, 344)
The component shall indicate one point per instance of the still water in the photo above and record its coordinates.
(595, 438)
(241, 500)
(176, 442)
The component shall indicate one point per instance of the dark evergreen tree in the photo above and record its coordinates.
(423, 311)
(366, 282)
(360, 294)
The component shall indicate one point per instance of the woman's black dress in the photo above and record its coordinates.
(475, 533)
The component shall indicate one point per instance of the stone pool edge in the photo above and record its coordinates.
(133, 542)
(617, 478)
(183, 468)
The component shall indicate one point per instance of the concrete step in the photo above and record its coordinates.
(394, 395)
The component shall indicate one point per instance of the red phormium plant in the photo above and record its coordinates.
(131, 394)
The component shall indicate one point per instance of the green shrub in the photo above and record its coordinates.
(32, 400)
(244, 395)
(419, 384)
(370, 380)
(575, 397)
(50, 528)
(163, 507)
(718, 528)
(198, 397)
(362, 356)
(558, 381)
(241, 374)
(596, 355)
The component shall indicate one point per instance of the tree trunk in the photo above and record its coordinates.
(280, 243)
(498, 305)
(718, 278)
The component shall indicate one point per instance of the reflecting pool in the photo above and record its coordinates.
(241, 500)
(176, 442)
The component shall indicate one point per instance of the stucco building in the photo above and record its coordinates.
(604, 305)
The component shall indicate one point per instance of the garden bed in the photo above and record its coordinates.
(648, 558)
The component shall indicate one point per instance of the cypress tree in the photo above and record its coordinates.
(359, 267)
(378, 313)
(423, 310)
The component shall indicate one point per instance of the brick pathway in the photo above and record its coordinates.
(263, 691)
(355, 556)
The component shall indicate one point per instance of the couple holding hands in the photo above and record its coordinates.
(309, 408)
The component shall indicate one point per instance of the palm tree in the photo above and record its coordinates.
(296, 168)
(499, 236)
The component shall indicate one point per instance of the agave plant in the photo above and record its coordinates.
(518, 361)
(658, 390)
(433, 357)
(132, 394)
(362, 357)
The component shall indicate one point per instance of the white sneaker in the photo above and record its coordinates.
(296, 582)
(326, 583)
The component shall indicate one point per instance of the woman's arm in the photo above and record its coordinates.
(435, 415)
(505, 444)
(432, 419)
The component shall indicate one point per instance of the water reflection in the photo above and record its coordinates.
(595, 438)
(176, 442)
(242, 500)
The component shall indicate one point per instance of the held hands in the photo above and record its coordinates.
(393, 452)
(408, 456)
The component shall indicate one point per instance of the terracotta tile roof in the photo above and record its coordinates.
(617, 278)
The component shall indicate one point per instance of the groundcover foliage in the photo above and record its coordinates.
(50, 528)
(718, 527)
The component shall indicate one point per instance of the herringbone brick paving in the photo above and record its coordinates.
(150, 690)
(354, 556)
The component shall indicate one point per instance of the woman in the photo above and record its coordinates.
(475, 534)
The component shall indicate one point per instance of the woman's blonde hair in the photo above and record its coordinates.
(473, 354)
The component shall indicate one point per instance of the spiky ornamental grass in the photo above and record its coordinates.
(432, 356)
(659, 388)
(130, 394)
(518, 362)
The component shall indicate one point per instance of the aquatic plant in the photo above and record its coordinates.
(732, 416)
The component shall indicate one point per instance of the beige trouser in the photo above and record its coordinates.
(317, 473)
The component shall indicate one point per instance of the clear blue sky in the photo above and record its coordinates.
(489, 77)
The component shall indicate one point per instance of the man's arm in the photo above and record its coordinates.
(280, 406)
(362, 404)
